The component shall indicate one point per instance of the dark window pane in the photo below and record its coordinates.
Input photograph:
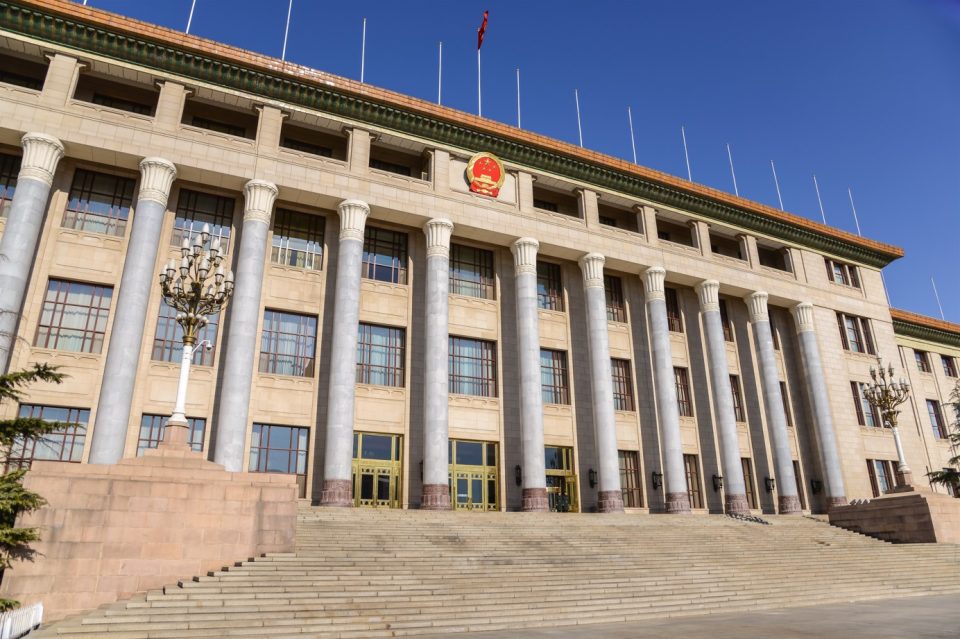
(288, 344)
(472, 367)
(384, 255)
(471, 272)
(280, 449)
(298, 240)
(168, 339)
(553, 377)
(549, 287)
(74, 316)
(99, 203)
(194, 209)
(380, 355)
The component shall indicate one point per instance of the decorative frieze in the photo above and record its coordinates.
(156, 178)
(41, 153)
(259, 196)
(438, 232)
(525, 255)
(353, 218)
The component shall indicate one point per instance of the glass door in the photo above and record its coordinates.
(473, 475)
(377, 470)
(561, 479)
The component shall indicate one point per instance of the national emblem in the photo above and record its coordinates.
(485, 174)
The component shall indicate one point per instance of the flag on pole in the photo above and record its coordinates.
(482, 30)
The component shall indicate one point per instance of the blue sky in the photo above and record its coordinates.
(863, 93)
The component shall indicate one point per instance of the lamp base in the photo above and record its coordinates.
(176, 435)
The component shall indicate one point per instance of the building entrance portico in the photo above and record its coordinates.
(377, 470)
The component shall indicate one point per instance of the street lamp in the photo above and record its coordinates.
(885, 395)
(196, 289)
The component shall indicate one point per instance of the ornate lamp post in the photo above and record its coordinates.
(885, 395)
(197, 289)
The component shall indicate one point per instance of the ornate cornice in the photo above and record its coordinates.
(928, 329)
(79, 28)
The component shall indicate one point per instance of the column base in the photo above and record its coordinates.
(611, 501)
(337, 493)
(435, 497)
(833, 502)
(535, 500)
(736, 504)
(677, 503)
(789, 505)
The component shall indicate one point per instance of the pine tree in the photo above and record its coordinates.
(951, 476)
(14, 498)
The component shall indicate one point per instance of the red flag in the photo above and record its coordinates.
(482, 30)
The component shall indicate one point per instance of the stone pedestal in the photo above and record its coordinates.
(110, 531)
(906, 515)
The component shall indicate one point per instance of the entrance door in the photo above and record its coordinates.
(561, 479)
(376, 470)
(473, 475)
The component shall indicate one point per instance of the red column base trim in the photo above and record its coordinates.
(337, 493)
(535, 500)
(435, 497)
(789, 505)
(611, 501)
(736, 504)
(833, 502)
(677, 503)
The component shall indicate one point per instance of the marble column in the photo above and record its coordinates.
(531, 388)
(788, 500)
(436, 489)
(601, 384)
(41, 153)
(734, 487)
(338, 455)
(126, 336)
(236, 376)
(820, 401)
(677, 499)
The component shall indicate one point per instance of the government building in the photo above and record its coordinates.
(431, 309)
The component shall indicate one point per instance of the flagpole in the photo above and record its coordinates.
(518, 98)
(576, 97)
(193, 5)
(440, 74)
(633, 143)
(286, 32)
(856, 220)
(937, 295)
(363, 49)
(776, 181)
(686, 155)
(816, 186)
(733, 174)
(479, 101)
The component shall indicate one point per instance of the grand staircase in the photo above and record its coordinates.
(382, 573)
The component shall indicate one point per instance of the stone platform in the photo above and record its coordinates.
(905, 515)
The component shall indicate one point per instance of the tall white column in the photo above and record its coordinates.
(601, 384)
(241, 336)
(126, 336)
(436, 490)
(531, 388)
(820, 401)
(41, 153)
(773, 402)
(735, 491)
(338, 455)
(677, 499)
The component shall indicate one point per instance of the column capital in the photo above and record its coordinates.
(156, 178)
(259, 196)
(803, 316)
(757, 306)
(709, 293)
(591, 265)
(41, 153)
(438, 232)
(353, 218)
(525, 255)
(653, 279)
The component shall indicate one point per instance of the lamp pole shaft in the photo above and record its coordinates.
(179, 408)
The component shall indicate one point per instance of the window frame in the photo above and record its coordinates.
(550, 287)
(554, 377)
(616, 303)
(92, 338)
(382, 245)
(842, 273)
(169, 347)
(621, 373)
(671, 297)
(862, 334)
(725, 322)
(681, 379)
(313, 237)
(302, 361)
(155, 426)
(631, 480)
(9, 172)
(691, 465)
(746, 465)
(296, 457)
(739, 410)
(84, 186)
(461, 384)
(394, 351)
(187, 225)
(70, 440)
(949, 366)
(484, 284)
(923, 361)
(937, 422)
(866, 413)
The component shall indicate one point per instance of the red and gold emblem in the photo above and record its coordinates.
(485, 174)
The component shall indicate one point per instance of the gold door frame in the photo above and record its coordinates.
(488, 500)
(566, 480)
(386, 473)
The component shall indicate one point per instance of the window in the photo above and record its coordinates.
(694, 490)
(786, 404)
(99, 203)
(380, 355)
(545, 205)
(219, 126)
(841, 273)
(306, 147)
(630, 482)
(606, 220)
(64, 444)
(152, 427)
(473, 367)
(949, 366)
(471, 272)
(280, 449)
(866, 413)
(288, 344)
(725, 322)
(936, 419)
(168, 340)
(622, 384)
(74, 316)
(738, 411)
(121, 104)
(390, 167)
(855, 333)
(674, 319)
(385, 255)
(298, 240)
(682, 380)
(9, 169)
(799, 479)
(748, 482)
(882, 475)
(613, 289)
(194, 209)
(553, 377)
(923, 361)
(549, 287)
